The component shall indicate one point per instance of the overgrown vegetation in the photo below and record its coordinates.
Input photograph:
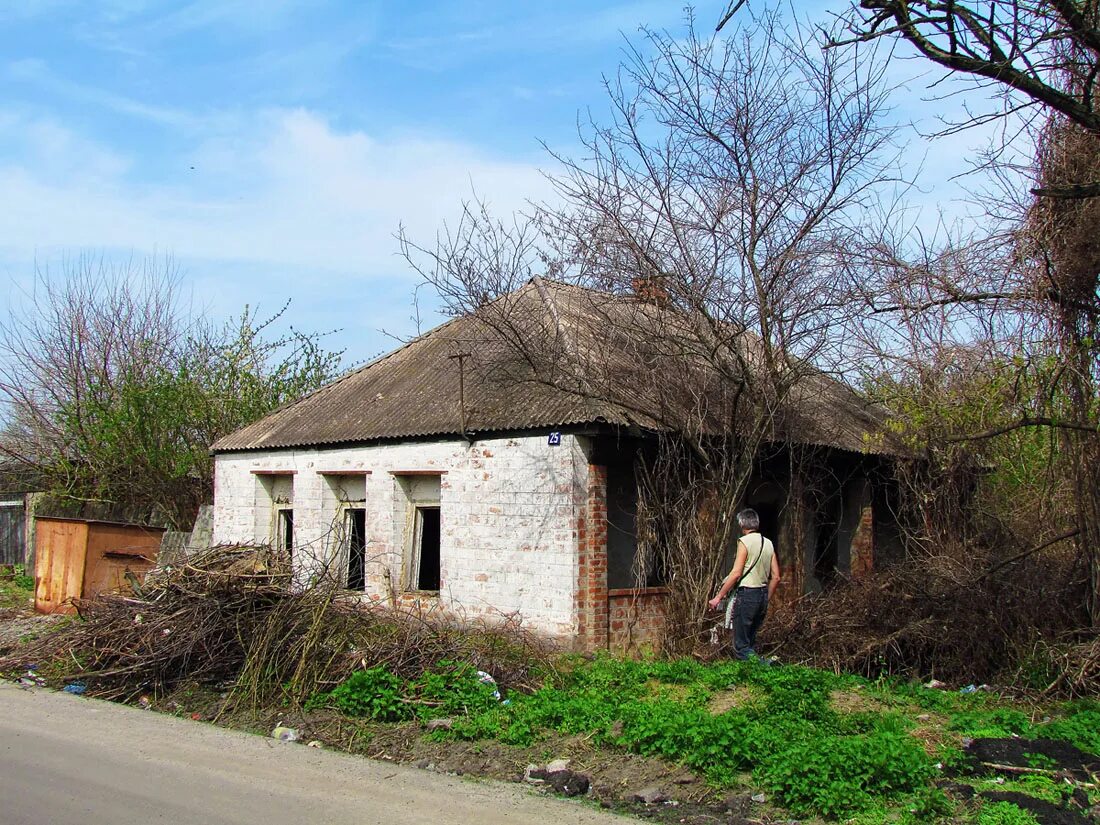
(113, 392)
(16, 589)
(788, 732)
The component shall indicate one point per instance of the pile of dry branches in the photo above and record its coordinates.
(232, 617)
(943, 617)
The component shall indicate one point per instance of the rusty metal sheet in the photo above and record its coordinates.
(115, 549)
(60, 548)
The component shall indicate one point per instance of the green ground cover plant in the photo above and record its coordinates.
(814, 755)
(1004, 813)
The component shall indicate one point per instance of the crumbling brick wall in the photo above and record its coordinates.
(512, 514)
(637, 619)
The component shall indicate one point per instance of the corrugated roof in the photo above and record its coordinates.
(546, 355)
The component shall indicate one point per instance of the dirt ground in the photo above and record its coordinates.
(618, 781)
(18, 623)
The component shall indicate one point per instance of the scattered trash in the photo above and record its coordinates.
(969, 689)
(759, 798)
(284, 734)
(439, 724)
(32, 679)
(75, 688)
(145, 702)
(315, 743)
(487, 679)
(557, 765)
(196, 717)
(529, 774)
(138, 619)
(924, 717)
(935, 684)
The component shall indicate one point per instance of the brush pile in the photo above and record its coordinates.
(941, 617)
(233, 617)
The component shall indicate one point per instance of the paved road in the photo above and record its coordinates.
(66, 760)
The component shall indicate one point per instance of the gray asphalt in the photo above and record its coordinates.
(67, 760)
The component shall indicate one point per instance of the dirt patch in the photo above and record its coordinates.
(1039, 755)
(615, 776)
(855, 701)
(738, 697)
(18, 625)
(1046, 813)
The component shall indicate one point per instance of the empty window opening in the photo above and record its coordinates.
(425, 557)
(285, 530)
(355, 527)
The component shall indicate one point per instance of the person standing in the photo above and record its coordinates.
(755, 575)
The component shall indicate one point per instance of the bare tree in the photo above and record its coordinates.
(710, 219)
(113, 391)
(1040, 58)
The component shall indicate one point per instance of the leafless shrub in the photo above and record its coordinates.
(952, 614)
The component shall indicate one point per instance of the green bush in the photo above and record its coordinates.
(836, 775)
(374, 694)
(452, 689)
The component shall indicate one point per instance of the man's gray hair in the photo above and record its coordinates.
(749, 519)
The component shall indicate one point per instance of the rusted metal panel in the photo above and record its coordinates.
(80, 559)
(59, 564)
(114, 550)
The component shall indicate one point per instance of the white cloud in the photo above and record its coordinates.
(281, 188)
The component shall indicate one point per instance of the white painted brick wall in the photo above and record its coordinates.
(509, 509)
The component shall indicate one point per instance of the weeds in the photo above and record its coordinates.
(16, 590)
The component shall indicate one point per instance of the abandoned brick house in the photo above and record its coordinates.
(448, 473)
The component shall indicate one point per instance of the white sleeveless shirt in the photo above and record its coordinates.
(758, 563)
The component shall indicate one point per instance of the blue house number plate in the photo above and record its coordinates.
(554, 439)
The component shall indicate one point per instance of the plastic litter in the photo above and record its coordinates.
(284, 734)
(486, 679)
(969, 689)
(935, 684)
(75, 688)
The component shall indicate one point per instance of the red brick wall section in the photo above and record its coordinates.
(863, 544)
(592, 607)
(637, 620)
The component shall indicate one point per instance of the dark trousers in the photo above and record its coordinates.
(748, 615)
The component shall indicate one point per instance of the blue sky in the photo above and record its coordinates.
(272, 147)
